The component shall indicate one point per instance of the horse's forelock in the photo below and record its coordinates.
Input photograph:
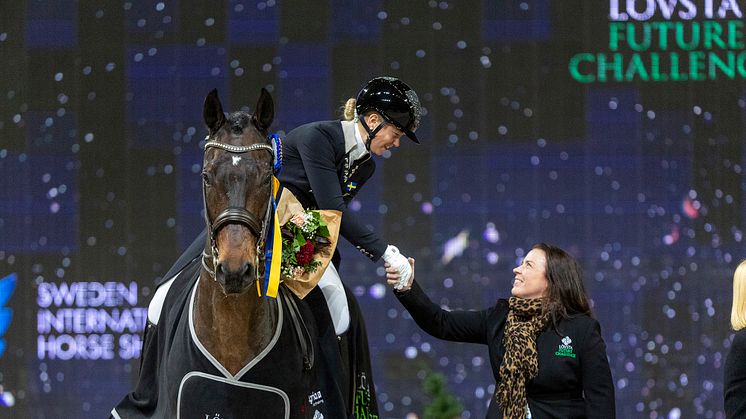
(238, 121)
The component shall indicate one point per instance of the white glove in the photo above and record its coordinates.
(400, 263)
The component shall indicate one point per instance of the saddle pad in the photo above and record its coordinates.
(205, 396)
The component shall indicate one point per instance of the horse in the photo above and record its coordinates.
(215, 347)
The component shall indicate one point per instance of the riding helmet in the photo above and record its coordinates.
(397, 103)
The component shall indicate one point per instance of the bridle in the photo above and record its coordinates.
(238, 215)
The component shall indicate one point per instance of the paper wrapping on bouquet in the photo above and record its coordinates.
(288, 206)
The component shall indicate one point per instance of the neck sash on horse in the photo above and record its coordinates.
(273, 252)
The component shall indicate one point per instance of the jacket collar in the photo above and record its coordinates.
(348, 129)
(354, 146)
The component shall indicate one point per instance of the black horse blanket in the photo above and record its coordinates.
(180, 379)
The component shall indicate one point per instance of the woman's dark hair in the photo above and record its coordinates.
(566, 294)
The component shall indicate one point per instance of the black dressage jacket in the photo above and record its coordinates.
(734, 377)
(318, 171)
(574, 379)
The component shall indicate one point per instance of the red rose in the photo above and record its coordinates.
(305, 254)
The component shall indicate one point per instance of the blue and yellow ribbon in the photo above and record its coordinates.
(274, 247)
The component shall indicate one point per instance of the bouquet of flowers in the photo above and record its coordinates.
(309, 238)
(304, 235)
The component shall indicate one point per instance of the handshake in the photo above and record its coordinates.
(399, 269)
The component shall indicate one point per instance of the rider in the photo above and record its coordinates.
(326, 163)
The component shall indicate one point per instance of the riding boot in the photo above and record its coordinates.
(347, 369)
(357, 353)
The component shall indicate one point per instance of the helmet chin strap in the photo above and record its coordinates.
(371, 133)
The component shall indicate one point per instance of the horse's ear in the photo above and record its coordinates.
(213, 111)
(265, 111)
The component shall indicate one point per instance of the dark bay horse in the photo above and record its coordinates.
(232, 322)
(216, 347)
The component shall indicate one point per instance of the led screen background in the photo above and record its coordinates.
(639, 177)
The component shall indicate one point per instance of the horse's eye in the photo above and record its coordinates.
(205, 178)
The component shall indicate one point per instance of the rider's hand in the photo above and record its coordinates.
(400, 263)
(393, 278)
(396, 260)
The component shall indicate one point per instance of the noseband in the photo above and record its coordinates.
(239, 215)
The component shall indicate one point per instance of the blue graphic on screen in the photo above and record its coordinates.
(7, 286)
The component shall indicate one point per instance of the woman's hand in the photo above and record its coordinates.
(393, 277)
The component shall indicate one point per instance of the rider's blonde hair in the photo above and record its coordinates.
(738, 310)
(348, 110)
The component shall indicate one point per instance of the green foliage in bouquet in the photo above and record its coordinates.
(302, 237)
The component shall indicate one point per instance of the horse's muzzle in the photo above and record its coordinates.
(235, 281)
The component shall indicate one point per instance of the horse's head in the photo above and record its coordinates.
(237, 179)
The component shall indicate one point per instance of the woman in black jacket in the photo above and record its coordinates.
(546, 351)
(735, 362)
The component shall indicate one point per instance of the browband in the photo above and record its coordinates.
(239, 148)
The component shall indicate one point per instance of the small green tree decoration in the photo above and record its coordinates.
(443, 405)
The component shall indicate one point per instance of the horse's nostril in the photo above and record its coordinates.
(220, 273)
(248, 272)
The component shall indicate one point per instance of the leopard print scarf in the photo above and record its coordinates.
(520, 363)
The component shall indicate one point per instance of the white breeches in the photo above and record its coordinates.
(336, 299)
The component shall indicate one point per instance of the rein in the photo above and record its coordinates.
(236, 214)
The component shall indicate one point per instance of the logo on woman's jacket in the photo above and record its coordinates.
(565, 349)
